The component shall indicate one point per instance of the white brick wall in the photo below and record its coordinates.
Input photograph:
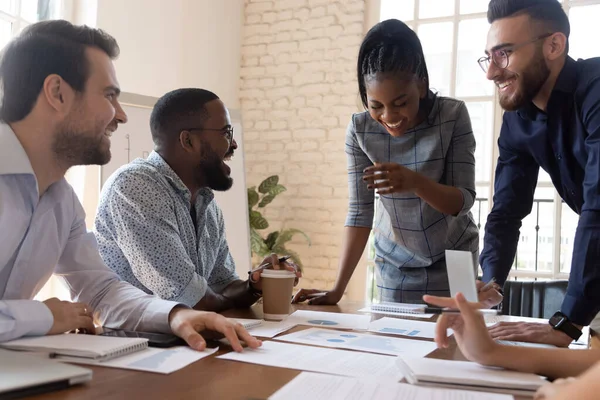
(297, 93)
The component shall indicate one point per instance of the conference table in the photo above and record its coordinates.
(209, 378)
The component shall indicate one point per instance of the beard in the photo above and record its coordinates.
(530, 81)
(74, 147)
(211, 168)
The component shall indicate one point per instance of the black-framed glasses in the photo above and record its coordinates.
(227, 132)
(500, 57)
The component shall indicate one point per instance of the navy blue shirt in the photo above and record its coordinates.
(565, 142)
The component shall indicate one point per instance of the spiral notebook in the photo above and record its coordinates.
(399, 308)
(91, 347)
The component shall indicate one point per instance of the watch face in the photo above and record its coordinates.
(557, 319)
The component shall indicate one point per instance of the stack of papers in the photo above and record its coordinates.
(318, 359)
(313, 386)
(468, 375)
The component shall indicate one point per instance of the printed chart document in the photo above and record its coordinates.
(361, 342)
(269, 329)
(152, 359)
(403, 327)
(313, 386)
(317, 359)
(329, 320)
(468, 375)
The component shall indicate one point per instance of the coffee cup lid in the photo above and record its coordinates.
(277, 273)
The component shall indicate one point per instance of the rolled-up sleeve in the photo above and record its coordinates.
(148, 237)
(460, 160)
(361, 202)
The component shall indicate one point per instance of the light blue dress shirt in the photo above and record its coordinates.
(43, 235)
(146, 234)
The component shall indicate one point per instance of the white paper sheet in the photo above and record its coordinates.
(313, 386)
(330, 320)
(361, 342)
(403, 327)
(317, 359)
(396, 314)
(161, 361)
(269, 329)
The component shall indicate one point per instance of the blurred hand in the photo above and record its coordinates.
(329, 298)
(391, 178)
(186, 323)
(487, 299)
(275, 264)
(68, 316)
(469, 328)
(549, 390)
(530, 332)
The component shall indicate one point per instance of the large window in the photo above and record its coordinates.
(17, 14)
(453, 34)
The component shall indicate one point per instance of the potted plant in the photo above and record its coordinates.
(275, 241)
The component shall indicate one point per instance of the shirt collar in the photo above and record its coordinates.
(165, 169)
(566, 82)
(567, 79)
(13, 159)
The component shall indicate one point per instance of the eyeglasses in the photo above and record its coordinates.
(500, 57)
(227, 132)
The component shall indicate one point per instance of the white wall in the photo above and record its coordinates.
(176, 43)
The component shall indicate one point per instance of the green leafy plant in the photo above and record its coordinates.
(276, 240)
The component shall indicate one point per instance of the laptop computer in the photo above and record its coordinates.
(26, 375)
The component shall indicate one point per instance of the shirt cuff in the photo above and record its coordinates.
(579, 311)
(156, 316)
(34, 317)
(193, 292)
(468, 201)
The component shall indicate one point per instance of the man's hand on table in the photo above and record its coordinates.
(532, 332)
(186, 323)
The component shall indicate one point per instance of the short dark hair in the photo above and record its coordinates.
(549, 13)
(390, 47)
(178, 110)
(45, 48)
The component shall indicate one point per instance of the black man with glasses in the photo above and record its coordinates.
(552, 121)
(158, 225)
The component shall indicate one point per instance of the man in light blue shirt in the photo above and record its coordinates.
(158, 225)
(59, 109)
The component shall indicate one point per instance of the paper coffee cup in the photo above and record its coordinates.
(277, 286)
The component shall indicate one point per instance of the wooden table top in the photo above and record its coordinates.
(209, 378)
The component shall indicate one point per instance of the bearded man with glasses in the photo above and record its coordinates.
(552, 121)
(158, 225)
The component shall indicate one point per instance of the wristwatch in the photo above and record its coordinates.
(560, 321)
